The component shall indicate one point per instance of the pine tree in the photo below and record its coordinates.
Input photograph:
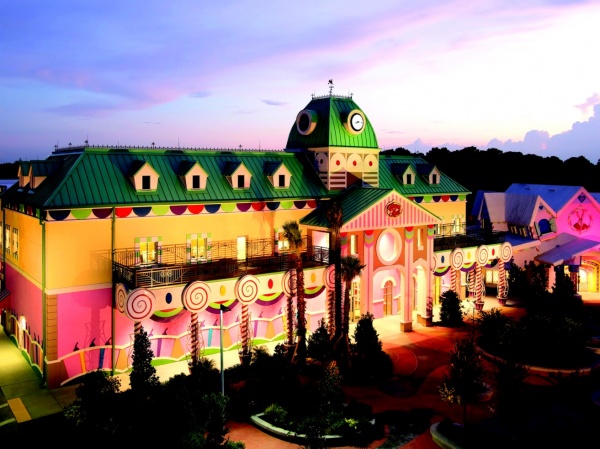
(142, 378)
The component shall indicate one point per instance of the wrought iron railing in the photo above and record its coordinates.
(472, 237)
(174, 268)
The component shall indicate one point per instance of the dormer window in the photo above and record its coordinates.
(430, 174)
(237, 175)
(278, 174)
(408, 179)
(143, 177)
(434, 178)
(192, 175)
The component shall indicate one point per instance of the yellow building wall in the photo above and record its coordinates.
(446, 211)
(72, 249)
(221, 226)
(30, 244)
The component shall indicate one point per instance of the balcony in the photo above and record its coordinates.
(451, 236)
(174, 268)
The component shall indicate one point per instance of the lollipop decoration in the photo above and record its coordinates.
(139, 304)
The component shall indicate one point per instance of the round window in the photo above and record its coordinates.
(389, 246)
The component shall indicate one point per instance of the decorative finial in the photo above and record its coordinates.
(330, 87)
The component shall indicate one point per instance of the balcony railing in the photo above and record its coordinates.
(468, 238)
(224, 263)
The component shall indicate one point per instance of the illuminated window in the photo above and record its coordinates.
(148, 252)
(353, 244)
(283, 244)
(7, 238)
(198, 248)
(456, 225)
(420, 238)
(491, 277)
(15, 243)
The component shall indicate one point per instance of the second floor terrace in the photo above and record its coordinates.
(450, 236)
(178, 264)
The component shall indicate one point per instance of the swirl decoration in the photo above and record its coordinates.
(121, 297)
(286, 282)
(246, 289)
(482, 255)
(457, 258)
(506, 252)
(329, 277)
(139, 304)
(196, 296)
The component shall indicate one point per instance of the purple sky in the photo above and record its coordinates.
(518, 76)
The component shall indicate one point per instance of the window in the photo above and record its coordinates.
(283, 244)
(148, 253)
(195, 181)
(7, 238)
(146, 182)
(420, 238)
(456, 226)
(281, 181)
(354, 244)
(434, 178)
(408, 178)
(240, 181)
(198, 249)
(491, 277)
(15, 243)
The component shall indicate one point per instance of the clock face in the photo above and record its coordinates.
(357, 122)
(580, 219)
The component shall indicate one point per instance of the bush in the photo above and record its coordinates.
(451, 310)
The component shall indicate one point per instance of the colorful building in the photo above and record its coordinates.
(552, 225)
(99, 241)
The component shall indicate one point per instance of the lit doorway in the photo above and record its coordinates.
(387, 298)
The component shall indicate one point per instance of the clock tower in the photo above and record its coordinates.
(340, 139)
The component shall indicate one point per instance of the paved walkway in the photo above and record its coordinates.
(419, 360)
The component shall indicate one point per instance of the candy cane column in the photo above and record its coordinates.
(457, 258)
(481, 259)
(505, 256)
(196, 297)
(246, 292)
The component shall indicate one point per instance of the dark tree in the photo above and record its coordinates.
(143, 378)
(451, 311)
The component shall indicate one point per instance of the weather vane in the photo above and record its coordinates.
(330, 87)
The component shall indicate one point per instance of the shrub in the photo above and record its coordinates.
(320, 347)
(451, 310)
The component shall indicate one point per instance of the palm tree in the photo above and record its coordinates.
(334, 216)
(351, 267)
(293, 234)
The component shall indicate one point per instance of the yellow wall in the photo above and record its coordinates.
(447, 210)
(71, 247)
(222, 226)
(30, 244)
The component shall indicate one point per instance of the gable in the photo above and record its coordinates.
(143, 177)
(238, 175)
(391, 211)
(278, 174)
(193, 176)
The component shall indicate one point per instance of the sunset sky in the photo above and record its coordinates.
(514, 75)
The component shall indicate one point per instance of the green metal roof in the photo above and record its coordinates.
(390, 166)
(330, 131)
(353, 200)
(99, 177)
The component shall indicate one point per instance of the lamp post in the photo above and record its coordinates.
(222, 308)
